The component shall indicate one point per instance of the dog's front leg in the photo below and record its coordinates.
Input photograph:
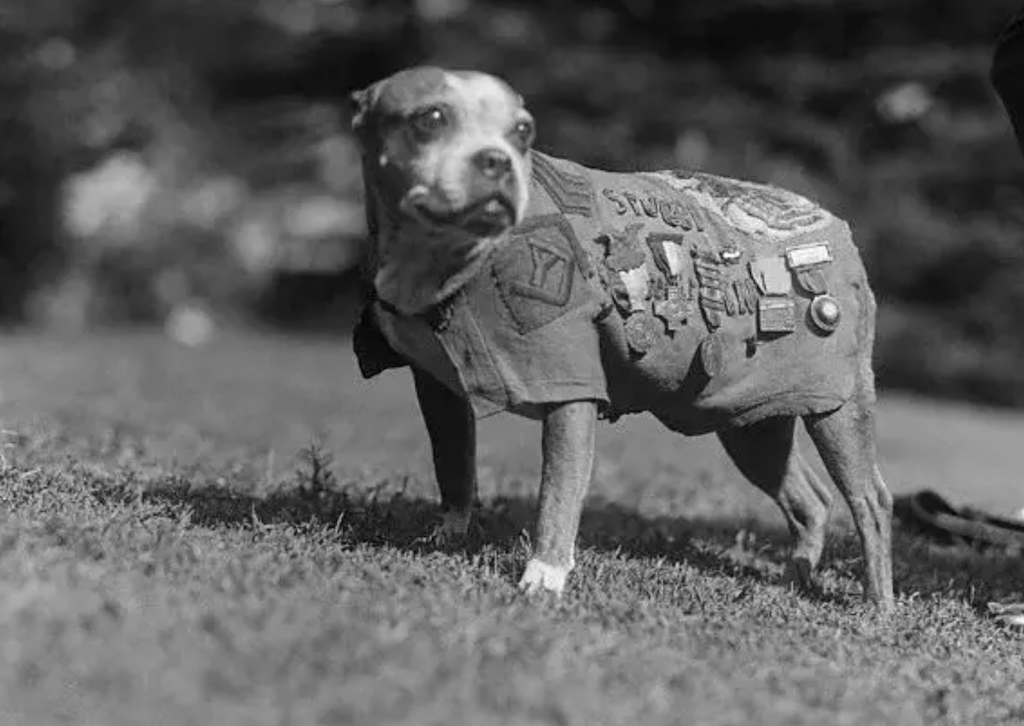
(451, 427)
(568, 452)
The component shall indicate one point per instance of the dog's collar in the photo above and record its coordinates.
(438, 316)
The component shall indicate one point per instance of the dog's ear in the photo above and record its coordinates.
(358, 107)
(361, 104)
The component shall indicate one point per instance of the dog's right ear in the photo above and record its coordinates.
(358, 108)
(361, 104)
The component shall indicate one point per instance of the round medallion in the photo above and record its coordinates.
(825, 313)
(642, 332)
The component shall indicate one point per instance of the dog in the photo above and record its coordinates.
(511, 280)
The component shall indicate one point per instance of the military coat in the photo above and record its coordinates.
(706, 301)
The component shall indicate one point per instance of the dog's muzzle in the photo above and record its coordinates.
(491, 208)
(488, 216)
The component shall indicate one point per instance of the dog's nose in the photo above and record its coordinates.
(493, 163)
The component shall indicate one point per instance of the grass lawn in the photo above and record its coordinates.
(171, 552)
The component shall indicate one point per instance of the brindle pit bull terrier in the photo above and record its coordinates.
(511, 280)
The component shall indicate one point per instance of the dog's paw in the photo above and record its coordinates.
(799, 573)
(542, 577)
(1011, 615)
(450, 532)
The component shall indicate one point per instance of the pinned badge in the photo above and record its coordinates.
(642, 332)
(771, 276)
(714, 354)
(674, 309)
(624, 252)
(746, 294)
(714, 295)
(711, 295)
(637, 284)
(732, 306)
(809, 255)
(731, 255)
(812, 280)
(712, 304)
(708, 272)
(776, 314)
(667, 251)
(825, 313)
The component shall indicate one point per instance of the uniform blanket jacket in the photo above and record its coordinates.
(704, 300)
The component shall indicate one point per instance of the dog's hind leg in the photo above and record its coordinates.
(846, 441)
(767, 454)
(451, 428)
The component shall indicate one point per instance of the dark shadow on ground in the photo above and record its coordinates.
(387, 517)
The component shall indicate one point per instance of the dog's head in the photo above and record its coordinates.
(446, 150)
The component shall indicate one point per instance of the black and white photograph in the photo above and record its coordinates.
(471, 362)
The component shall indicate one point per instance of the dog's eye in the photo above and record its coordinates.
(524, 132)
(428, 122)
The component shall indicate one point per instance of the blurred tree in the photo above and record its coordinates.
(877, 108)
(29, 175)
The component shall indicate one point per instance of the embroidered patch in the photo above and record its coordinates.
(544, 221)
(536, 273)
(551, 275)
(673, 212)
(570, 192)
(757, 209)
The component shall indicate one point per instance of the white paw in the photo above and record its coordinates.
(1012, 614)
(540, 576)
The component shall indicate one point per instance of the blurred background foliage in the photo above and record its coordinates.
(188, 163)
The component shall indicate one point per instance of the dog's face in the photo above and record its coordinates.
(446, 149)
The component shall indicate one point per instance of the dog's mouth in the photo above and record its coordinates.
(484, 217)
